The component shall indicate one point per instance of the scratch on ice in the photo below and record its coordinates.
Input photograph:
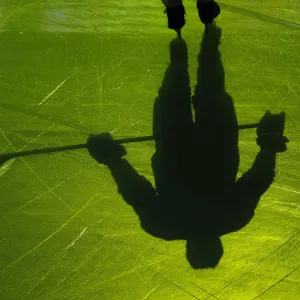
(55, 90)
(78, 238)
(6, 166)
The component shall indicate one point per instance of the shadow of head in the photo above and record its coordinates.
(203, 253)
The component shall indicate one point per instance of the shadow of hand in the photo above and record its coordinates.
(270, 133)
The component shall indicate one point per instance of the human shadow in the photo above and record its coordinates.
(196, 161)
(197, 197)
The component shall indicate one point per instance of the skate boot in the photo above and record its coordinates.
(176, 17)
(208, 10)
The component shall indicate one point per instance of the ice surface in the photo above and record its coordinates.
(70, 68)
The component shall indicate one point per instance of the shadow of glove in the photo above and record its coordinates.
(104, 149)
(270, 133)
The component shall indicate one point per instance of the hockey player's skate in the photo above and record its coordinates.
(208, 10)
(176, 18)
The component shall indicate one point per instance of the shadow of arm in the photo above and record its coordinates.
(136, 190)
(256, 181)
(133, 187)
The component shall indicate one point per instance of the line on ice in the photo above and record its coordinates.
(270, 19)
(55, 90)
(50, 236)
(78, 238)
(285, 189)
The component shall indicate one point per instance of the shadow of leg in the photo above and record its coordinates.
(217, 158)
(215, 117)
(172, 118)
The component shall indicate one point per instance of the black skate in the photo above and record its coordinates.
(176, 17)
(208, 11)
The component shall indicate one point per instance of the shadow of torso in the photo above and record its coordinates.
(195, 186)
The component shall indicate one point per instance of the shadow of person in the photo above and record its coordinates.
(195, 163)
(196, 196)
